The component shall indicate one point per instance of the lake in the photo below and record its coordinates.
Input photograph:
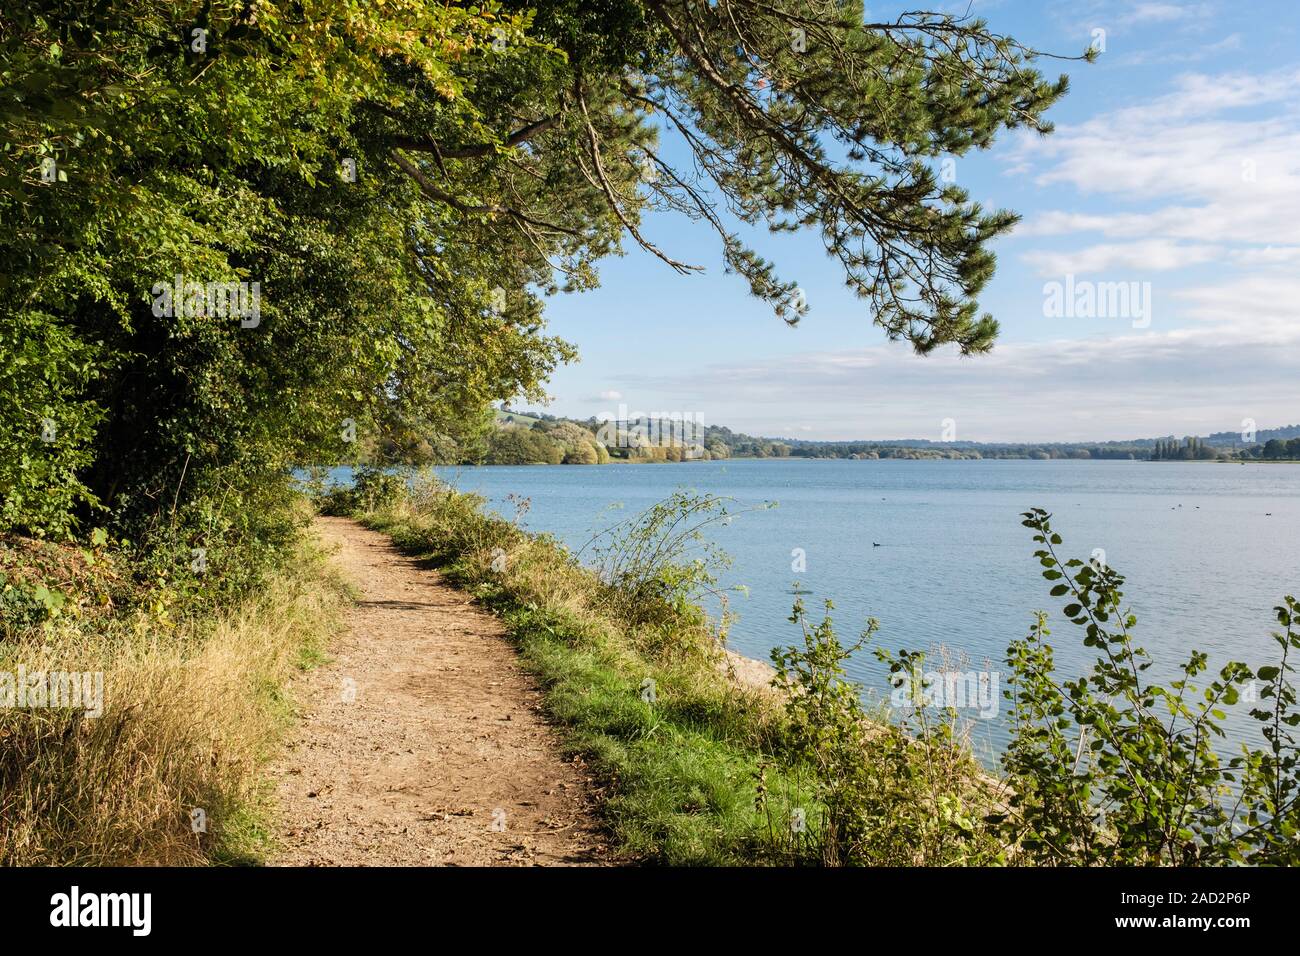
(1207, 549)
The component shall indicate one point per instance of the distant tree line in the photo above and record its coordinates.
(545, 442)
(1191, 449)
(1276, 448)
(1199, 449)
(538, 438)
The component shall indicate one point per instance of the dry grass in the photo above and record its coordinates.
(190, 712)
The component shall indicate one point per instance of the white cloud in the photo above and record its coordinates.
(1165, 12)
(1152, 21)
(1146, 256)
(1259, 308)
(1267, 256)
(1096, 379)
(1206, 175)
(1100, 387)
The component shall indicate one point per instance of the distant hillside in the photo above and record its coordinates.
(535, 438)
(1234, 440)
(517, 418)
(645, 439)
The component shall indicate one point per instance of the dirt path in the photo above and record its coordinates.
(421, 743)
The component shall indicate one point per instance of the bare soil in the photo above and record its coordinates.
(422, 741)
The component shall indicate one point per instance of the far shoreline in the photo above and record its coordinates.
(714, 461)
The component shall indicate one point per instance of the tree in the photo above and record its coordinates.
(223, 164)
(583, 454)
(515, 445)
(756, 92)
(404, 183)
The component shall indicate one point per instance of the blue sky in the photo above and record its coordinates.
(1176, 162)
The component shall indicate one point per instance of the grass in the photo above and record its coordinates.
(191, 713)
(516, 418)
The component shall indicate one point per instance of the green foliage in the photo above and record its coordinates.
(372, 489)
(1277, 448)
(515, 445)
(46, 585)
(224, 165)
(657, 566)
(1192, 449)
(45, 425)
(376, 489)
(549, 441)
(580, 446)
(888, 794)
(500, 152)
(1111, 768)
(23, 607)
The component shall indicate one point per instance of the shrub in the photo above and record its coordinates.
(376, 489)
(1111, 768)
(583, 453)
(887, 794)
(45, 426)
(657, 566)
